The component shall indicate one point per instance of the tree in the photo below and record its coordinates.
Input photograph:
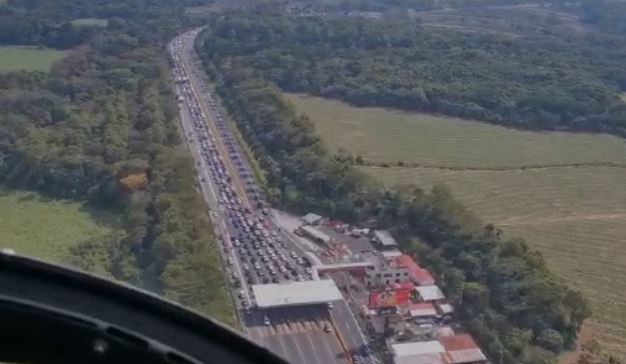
(551, 340)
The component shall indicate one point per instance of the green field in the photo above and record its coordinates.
(382, 135)
(13, 58)
(90, 21)
(36, 226)
(575, 215)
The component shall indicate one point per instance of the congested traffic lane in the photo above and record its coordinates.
(254, 251)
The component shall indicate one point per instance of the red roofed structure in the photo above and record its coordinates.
(418, 275)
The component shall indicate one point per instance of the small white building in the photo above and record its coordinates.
(385, 240)
(430, 293)
(312, 219)
(315, 234)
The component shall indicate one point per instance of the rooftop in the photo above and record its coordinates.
(389, 298)
(419, 275)
(296, 293)
(385, 238)
(458, 342)
(456, 349)
(422, 310)
(311, 218)
(416, 348)
(430, 293)
(392, 253)
(316, 233)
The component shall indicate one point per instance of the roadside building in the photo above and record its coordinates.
(396, 269)
(423, 352)
(462, 349)
(296, 293)
(312, 219)
(384, 240)
(417, 274)
(391, 253)
(456, 349)
(431, 294)
(445, 309)
(384, 272)
(423, 311)
(388, 301)
(315, 235)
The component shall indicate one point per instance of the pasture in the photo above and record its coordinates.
(387, 136)
(21, 58)
(574, 214)
(98, 22)
(37, 226)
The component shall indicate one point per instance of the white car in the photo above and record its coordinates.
(266, 321)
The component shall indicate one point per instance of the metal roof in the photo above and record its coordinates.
(392, 253)
(316, 233)
(416, 348)
(430, 293)
(419, 359)
(311, 218)
(385, 238)
(422, 309)
(296, 293)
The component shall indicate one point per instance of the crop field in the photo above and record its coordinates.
(14, 58)
(388, 136)
(575, 215)
(90, 21)
(37, 226)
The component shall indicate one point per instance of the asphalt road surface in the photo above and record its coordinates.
(253, 249)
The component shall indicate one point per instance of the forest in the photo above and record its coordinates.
(530, 82)
(511, 303)
(102, 126)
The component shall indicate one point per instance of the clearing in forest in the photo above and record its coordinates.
(37, 226)
(22, 58)
(574, 214)
(99, 22)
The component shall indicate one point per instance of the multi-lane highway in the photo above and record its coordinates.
(253, 248)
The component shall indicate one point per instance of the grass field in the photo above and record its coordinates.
(36, 226)
(90, 21)
(381, 135)
(14, 58)
(575, 215)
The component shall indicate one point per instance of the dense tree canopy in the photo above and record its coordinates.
(102, 126)
(537, 82)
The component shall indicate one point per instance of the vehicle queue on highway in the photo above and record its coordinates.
(264, 255)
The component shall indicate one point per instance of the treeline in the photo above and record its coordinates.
(508, 299)
(48, 22)
(102, 126)
(534, 82)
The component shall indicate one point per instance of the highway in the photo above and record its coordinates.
(253, 249)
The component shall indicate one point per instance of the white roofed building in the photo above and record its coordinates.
(311, 218)
(315, 234)
(296, 293)
(430, 293)
(385, 240)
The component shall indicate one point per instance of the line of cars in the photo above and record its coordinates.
(254, 242)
